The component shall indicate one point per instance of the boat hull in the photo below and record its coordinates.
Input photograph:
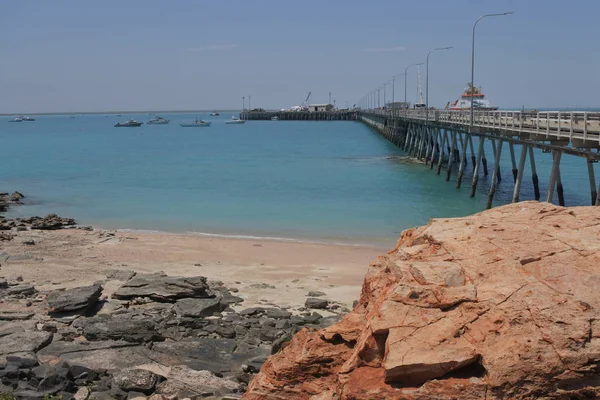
(158, 123)
(235, 122)
(195, 125)
(128, 125)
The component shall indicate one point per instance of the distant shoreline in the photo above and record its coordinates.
(114, 112)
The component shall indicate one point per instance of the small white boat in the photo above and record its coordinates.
(235, 120)
(195, 124)
(27, 118)
(214, 114)
(130, 123)
(158, 121)
(16, 119)
(276, 118)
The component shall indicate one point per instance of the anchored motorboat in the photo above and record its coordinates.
(16, 119)
(214, 114)
(275, 118)
(195, 124)
(479, 102)
(158, 121)
(235, 120)
(25, 118)
(130, 123)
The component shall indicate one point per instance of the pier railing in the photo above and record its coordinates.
(580, 128)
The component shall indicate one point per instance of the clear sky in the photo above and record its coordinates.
(73, 55)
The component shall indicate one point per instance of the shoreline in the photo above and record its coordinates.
(266, 270)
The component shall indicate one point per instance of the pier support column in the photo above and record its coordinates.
(559, 189)
(495, 174)
(434, 146)
(463, 161)
(498, 176)
(534, 176)
(441, 156)
(519, 179)
(512, 160)
(472, 151)
(484, 161)
(590, 167)
(476, 167)
(407, 138)
(553, 175)
(451, 157)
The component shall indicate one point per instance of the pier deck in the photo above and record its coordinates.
(443, 138)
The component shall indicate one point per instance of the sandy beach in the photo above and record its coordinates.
(264, 271)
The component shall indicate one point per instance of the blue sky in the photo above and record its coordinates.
(67, 55)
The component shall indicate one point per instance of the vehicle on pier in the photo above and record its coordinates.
(131, 123)
(479, 102)
(197, 123)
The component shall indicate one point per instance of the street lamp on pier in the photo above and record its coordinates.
(473, 59)
(427, 79)
(405, 74)
(384, 92)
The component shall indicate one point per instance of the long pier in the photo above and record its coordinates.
(444, 138)
(334, 115)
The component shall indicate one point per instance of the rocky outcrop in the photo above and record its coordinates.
(177, 337)
(6, 199)
(502, 304)
(49, 222)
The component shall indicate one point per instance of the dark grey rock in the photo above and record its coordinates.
(15, 316)
(251, 311)
(163, 288)
(49, 222)
(261, 286)
(313, 318)
(73, 299)
(279, 342)
(23, 290)
(26, 359)
(24, 342)
(277, 313)
(196, 308)
(316, 293)
(130, 327)
(3, 283)
(138, 380)
(313, 302)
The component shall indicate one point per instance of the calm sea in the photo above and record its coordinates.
(322, 181)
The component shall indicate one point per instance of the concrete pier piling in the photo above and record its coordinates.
(448, 135)
(534, 176)
(452, 155)
(495, 181)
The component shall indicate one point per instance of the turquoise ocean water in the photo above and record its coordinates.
(319, 181)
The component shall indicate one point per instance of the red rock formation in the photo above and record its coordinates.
(504, 304)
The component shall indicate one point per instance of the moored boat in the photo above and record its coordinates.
(479, 102)
(130, 123)
(25, 118)
(16, 119)
(275, 118)
(158, 121)
(214, 114)
(235, 120)
(195, 124)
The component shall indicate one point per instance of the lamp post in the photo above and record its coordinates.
(384, 92)
(473, 59)
(427, 79)
(405, 74)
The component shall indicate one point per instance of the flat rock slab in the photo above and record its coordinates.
(15, 316)
(183, 380)
(163, 288)
(120, 274)
(129, 327)
(137, 380)
(195, 308)
(24, 342)
(215, 355)
(73, 299)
